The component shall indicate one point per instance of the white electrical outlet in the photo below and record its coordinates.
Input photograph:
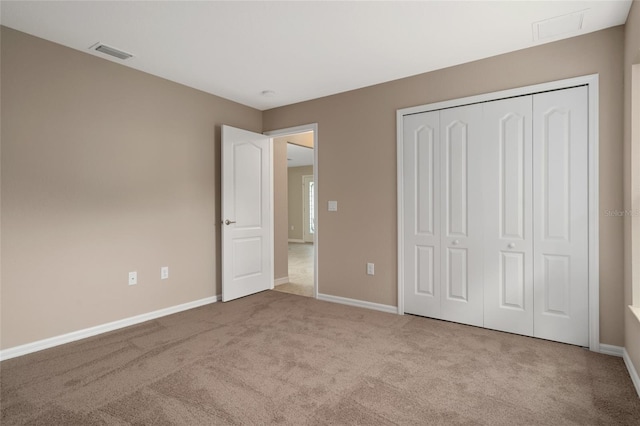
(164, 272)
(332, 206)
(133, 278)
(370, 269)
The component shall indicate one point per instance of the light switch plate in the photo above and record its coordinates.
(370, 269)
(333, 206)
(133, 278)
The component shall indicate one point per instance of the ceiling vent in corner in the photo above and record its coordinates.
(112, 51)
(558, 26)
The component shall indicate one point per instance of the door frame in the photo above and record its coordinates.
(592, 82)
(305, 208)
(301, 129)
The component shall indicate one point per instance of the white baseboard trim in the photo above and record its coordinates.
(358, 303)
(632, 370)
(279, 281)
(295, 240)
(39, 345)
(611, 350)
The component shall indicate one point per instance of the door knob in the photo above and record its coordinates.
(456, 242)
(229, 222)
(511, 245)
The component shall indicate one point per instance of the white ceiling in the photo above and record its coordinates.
(300, 50)
(299, 155)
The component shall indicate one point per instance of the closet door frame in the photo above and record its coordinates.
(591, 81)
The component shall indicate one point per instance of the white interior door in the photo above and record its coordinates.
(508, 224)
(461, 215)
(247, 209)
(421, 194)
(560, 183)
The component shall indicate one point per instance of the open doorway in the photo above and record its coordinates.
(295, 201)
(300, 220)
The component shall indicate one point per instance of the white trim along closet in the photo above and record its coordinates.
(496, 211)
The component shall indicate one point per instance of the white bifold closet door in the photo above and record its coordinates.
(496, 215)
(508, 215)
(535, 216)
(443, 225)
(560, 216)
(461, 214)
(421, 193)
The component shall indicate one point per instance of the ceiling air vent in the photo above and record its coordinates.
(559, 26)
(108, 50)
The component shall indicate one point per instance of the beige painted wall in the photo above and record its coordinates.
(295, 200)
(280, 209)
(358, 127)
(631, 191)
(105, 170)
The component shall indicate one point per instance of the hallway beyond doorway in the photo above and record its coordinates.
(300, 270)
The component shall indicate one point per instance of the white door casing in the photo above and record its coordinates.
(313, 127)
(247, 213)
(508, 225)
(561, 212)
(307, 235)
(461, 261)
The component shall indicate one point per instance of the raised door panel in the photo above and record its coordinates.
(247, 185)
(424, 281)
(247, 257)
(508, 239)
(555, 171)
(556, 280)
(461, 212)
(456, 145)
(513, 283)
(421, 158)
(561, 216)
(457, 275)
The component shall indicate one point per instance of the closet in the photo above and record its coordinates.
(495, 214)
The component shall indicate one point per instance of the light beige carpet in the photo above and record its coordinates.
(300, 270)
(276, 358)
